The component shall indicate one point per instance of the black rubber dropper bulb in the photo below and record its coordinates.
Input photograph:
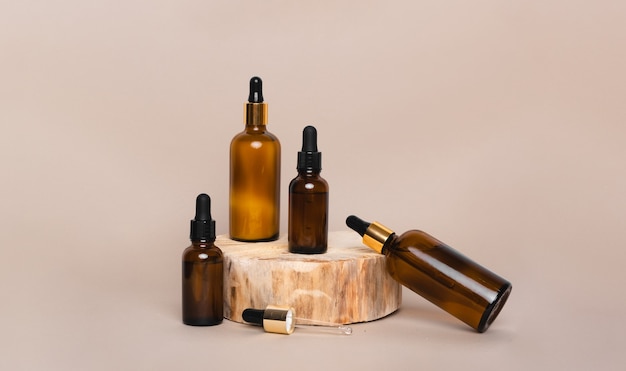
(309, 159)
(202, 226)
(255, 316)
(357, 224)
(256, 90)
(375, 235)
(309, 139)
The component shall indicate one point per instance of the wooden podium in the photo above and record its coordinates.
(347, 284)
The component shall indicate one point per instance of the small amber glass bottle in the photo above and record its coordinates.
(203, 267)
(308, 200)
(255, 175)
(439, 273)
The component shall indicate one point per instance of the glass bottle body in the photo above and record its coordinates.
(254, 185)
(203, 284)
(446, 278)
(308, 214)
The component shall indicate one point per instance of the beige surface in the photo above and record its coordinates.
(496, 126)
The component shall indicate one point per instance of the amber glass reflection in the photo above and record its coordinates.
(254, 185)
(203, 297)
(446, 278)
(308, 214)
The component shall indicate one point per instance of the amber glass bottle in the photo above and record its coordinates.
(203, 280)
(255, 175)
(439, 273)
(308, 200)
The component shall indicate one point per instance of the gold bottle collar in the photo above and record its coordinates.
(376, 235)
(255, 113)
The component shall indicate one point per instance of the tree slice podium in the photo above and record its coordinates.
(347, 284)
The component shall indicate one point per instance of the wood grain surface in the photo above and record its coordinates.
(348, 284)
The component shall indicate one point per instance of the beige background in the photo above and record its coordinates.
(496, 126)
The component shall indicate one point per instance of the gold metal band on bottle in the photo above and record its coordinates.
(376, 235)
(255, 113)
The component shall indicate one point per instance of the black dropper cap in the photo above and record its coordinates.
(256, 90)
(255, 316)
(357, 224)
(309, 159)
(202, 226)
(375, 235)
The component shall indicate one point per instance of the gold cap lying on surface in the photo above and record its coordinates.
(279, 320)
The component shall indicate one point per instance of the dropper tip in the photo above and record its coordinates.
(346, 330)
(256, 90)
(357, 224)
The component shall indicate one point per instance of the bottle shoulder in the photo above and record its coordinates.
(272, 136)
(415, 239)
(255, 135)
(202, 252)
(244, 142)
(308, 183)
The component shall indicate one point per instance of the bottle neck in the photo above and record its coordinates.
(390, 242)
(309, 162)
(256, 129)
(309, 173)
(255, 114)
(202, 244)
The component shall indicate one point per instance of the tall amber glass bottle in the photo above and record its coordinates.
(203, 267)
(439, 273)
(308, 200)
(255, 175)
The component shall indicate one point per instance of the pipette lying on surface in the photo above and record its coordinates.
(283, 320)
